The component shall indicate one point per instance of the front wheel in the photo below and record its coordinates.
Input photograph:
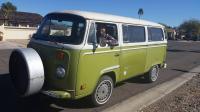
(152, 75)
(103, 91)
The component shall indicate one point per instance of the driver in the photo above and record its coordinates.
(105, 38)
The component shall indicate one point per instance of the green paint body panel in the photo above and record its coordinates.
(133, 61)
(70, 62)
(85, 67)
(93, 65)
(156, 55)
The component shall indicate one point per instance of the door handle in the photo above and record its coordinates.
(116, 54)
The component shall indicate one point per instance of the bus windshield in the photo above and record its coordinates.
(62, 28)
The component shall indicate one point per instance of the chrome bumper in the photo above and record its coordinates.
(57, 94)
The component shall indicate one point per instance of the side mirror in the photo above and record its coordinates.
(94, 43)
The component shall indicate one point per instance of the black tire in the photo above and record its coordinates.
(18, 71)
(153, 74)
(102, 92)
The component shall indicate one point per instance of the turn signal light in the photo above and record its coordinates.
(83, 87)
(60, 56)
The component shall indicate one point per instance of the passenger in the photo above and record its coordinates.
(105, 38)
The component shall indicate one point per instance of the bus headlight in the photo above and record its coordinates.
(60, 72)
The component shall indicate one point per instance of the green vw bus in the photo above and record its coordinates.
(75, 54)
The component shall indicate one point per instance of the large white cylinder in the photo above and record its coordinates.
(27, 71)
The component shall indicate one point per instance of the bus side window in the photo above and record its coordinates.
(155, 34)
(133, 34)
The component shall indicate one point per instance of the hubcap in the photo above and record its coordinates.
(103, 92)
(154, 74)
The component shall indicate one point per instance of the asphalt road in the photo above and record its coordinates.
(181, 57)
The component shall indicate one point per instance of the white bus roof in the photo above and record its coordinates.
(111, 18)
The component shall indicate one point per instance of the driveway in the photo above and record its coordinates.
(5, 49)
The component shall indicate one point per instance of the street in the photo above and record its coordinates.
(181, 57)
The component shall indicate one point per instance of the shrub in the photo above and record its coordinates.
(191, 29)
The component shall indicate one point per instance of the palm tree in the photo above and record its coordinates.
(140, 12)
(7, 9)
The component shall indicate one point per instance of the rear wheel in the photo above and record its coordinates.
(103, 91)
(152, 75)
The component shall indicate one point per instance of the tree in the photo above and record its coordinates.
(7, 9)
(191, 29)
(140, 12)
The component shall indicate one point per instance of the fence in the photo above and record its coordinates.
(17, 32)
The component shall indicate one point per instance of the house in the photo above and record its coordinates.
(171, 33)
(20, 25)
(22, 18)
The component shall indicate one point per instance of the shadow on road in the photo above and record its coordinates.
(72, 104)
(139, 79)
(178, 50)
(39, 103)
(10, 102)
(185, 71)
(7, 95)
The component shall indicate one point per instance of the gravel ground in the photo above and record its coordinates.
(184, 99)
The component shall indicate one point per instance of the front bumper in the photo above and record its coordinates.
(58, 94)
(165, 65)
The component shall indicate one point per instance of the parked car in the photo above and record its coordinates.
(75, 54)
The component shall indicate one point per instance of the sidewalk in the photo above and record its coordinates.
(20, 42)
(148, 97)
(6, 48)
(4, 59)
(184, 99)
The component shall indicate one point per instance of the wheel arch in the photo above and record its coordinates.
(154, 64)
(111, 74)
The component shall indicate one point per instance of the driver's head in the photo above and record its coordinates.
(102, 31)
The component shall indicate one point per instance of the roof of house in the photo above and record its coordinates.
(24, 18)
(109, 17)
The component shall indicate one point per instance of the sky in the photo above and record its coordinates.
(170, 12)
